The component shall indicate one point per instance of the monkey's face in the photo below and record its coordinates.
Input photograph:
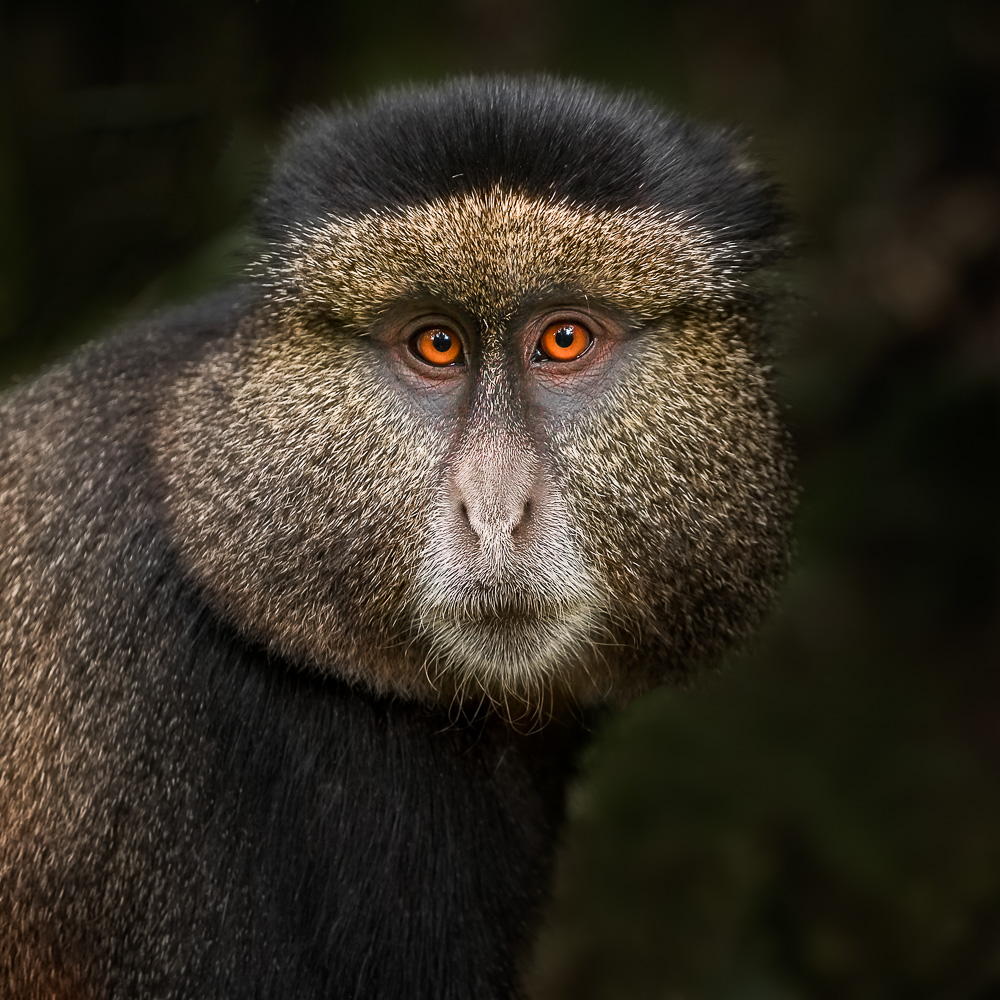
(491, 446)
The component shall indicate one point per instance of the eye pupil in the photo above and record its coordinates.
(441, 341)
(565, 335)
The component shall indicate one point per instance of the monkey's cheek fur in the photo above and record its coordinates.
(684, 508)
(314, 555)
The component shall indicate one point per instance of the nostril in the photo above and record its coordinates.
(523, 520)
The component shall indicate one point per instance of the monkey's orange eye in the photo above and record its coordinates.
(564, 341)
(437, 346)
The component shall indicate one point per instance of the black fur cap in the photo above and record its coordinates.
(543, 137)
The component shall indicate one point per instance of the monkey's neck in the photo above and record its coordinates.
(359, 846)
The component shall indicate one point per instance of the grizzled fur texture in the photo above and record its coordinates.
(286, 689)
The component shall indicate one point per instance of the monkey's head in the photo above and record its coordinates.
(496, 422)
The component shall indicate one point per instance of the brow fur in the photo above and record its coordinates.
(493, 249)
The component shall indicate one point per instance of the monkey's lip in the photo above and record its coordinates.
(506, 614)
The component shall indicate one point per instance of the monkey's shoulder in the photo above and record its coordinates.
(75, 418)
(76, 480)
(113, 372)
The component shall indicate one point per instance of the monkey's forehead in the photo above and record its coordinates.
(490, 251)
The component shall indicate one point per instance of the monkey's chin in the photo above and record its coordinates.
(511, 659)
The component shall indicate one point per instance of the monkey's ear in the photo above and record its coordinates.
(766, 220)
(312, 163)
(712, 177)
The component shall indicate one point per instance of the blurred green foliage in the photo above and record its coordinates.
(822, 819)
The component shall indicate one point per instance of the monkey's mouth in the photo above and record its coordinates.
(529, 622)
(514, 640)
(511, 611)
(515, 614)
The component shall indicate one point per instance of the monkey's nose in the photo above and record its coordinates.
(497, 517)
(496, 494)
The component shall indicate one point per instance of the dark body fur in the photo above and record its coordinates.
(226, 768)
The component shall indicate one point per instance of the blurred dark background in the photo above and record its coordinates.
(823, 819)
